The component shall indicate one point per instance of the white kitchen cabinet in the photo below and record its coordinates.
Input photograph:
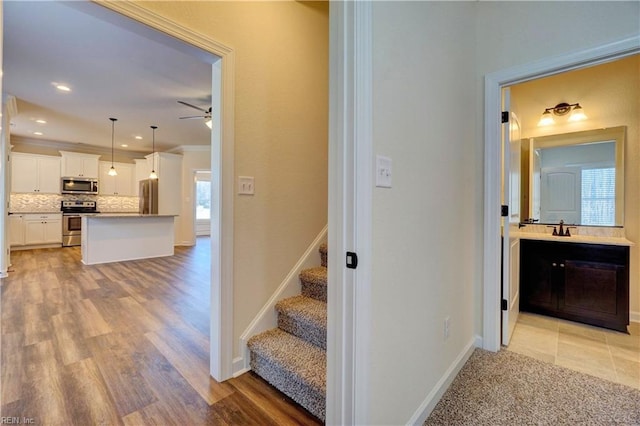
(121, 184)
(35, 173)
(142, 172)
(42, 228)
(16, 230)
(168, 167)
(75, 164)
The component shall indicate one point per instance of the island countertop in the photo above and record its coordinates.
(129, 215)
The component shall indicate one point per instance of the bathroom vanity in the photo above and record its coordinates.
(577, 281)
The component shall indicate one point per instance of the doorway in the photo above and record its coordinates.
(493, 85)
(202, 202)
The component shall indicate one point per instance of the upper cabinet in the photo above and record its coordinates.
(35, 173)
(121, 184)
(75, 164)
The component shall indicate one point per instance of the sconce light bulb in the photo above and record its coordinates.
(546, 119)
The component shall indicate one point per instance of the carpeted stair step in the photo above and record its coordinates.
(323, 254)
(305, 318)
(314, 283)
(295, 367)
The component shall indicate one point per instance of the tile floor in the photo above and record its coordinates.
(604, 353)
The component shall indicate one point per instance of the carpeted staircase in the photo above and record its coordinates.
(293, 356)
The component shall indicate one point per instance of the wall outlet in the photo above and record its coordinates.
(447, 327)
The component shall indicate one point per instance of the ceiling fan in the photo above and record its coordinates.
(206, 116)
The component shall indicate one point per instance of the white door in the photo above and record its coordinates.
(511, 198)
(560, 194)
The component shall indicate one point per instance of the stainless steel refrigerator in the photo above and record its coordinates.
(148, 196)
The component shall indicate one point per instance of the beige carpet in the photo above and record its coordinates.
(507, 388)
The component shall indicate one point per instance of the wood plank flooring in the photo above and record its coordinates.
(120, 344)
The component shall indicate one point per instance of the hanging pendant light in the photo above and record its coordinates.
(153, 174)
(112, 170)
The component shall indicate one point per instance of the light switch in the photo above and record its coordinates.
(245, 185)
(383, 172)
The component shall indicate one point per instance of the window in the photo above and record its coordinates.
(599, 196)
(203, 200)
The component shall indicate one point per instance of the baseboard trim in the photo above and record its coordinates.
(443, 384)
(266, 317)
(634, 316)
(479, 341)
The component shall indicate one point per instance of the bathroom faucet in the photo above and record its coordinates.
(562, 231)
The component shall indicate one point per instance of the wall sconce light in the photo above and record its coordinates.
(577, 113)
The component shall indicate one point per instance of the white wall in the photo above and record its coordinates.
(423, 238)
(516, 33)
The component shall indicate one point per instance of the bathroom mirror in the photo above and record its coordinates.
(576, 177)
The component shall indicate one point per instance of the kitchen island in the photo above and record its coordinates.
(126, 236)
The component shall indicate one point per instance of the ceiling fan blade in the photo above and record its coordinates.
(193, 116)
(193, 106)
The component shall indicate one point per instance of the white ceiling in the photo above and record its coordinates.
(136, 75)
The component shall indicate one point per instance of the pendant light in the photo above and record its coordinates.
(153, 174)
(112, 170)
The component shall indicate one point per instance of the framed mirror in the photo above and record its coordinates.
(576, 177)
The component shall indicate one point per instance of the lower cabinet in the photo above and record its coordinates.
(588, 283)
(16, 230)
(42, 229)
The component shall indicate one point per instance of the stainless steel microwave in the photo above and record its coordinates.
(76, 185)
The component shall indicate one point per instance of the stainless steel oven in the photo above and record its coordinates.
(72, 212)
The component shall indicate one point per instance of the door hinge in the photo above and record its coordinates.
(505, 304)
(352, 260)
(504, 211)
(505, 116)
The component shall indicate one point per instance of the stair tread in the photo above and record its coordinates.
(305, 308)
(315, 275)
(304, 360)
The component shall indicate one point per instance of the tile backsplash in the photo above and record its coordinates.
(27, 203)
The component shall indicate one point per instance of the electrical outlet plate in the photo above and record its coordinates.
(246, 185)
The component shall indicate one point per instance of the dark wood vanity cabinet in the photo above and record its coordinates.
(588, 283)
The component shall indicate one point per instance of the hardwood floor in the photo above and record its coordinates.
(120, 344)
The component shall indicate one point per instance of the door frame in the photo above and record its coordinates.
(494, 82)
(222, 165)
(350, 212)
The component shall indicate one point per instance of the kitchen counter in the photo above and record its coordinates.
(117, 237)
(585, 239)
(37, 212)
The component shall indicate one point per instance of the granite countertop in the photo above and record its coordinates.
(36, 212)
(124, 215)
(588, 239)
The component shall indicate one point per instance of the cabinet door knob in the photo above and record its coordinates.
(562, 265)
(554, 264)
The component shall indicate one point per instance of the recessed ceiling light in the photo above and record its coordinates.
(61, 86)
(41, 121)
(124, 145)
(38, 133)
(139, 137)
